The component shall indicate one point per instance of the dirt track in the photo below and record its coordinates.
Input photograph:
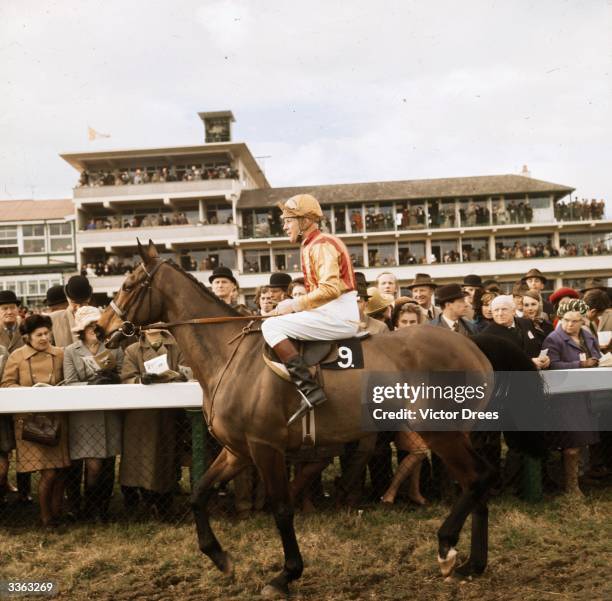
(555, 551)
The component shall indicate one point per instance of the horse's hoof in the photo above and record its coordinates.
(224, 562)
(447, 565)
(228, 566)
(468, 569)
(271, 591)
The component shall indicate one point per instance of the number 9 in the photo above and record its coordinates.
(346, 354)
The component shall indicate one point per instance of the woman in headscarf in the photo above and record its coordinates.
(572, 346)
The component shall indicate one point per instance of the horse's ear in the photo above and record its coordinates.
(141, 251)
(152, 251)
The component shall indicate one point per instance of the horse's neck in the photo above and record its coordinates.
(205, 347)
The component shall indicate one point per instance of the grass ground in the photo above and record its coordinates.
(554, 550)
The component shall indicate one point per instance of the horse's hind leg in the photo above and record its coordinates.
(475, 477)
(223, 468)
(479, 549)
(271, 465)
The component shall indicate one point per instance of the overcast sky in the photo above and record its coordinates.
(332, 91)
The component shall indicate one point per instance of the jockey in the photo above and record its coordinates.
(328, 311)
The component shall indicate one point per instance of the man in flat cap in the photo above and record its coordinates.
(536, 281)
(422, 288)
(328, 311)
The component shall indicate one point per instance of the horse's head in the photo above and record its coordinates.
(138, 301)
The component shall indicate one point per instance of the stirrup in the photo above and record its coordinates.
(304, 408)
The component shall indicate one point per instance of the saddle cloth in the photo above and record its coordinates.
(316, 353)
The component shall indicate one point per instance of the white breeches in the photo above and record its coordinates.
(335, 320)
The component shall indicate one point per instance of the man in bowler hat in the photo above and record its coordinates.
(279, 284)
(453, 302)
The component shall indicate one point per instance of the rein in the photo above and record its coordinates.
(129, 329)
(203, 320)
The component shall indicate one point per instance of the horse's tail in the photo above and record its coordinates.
(506, 356)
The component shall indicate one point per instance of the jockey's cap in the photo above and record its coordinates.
(302, 205)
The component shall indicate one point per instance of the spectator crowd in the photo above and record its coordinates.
(154, 175)
(85, 458)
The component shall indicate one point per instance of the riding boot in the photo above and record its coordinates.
(312, 394)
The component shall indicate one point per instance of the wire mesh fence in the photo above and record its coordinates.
(142, 464)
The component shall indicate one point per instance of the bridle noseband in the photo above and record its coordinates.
(128, 328)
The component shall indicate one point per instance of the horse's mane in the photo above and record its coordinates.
(203, 288)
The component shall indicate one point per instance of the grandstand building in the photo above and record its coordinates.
(211, 205)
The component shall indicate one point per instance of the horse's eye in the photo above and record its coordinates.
(127, 287)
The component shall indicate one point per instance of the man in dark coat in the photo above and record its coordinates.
(517, 330)
(452, 300)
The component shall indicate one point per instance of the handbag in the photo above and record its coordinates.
(42, 429)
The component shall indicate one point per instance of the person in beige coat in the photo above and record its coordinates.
(38, 363)
(150, 438)
(94, 436)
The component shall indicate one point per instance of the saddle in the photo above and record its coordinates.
(317, 354)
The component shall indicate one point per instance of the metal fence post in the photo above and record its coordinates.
(199, 459)
(531, 479)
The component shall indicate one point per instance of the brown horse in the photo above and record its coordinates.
(247, 406)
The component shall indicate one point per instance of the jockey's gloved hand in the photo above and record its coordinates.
(285, 307)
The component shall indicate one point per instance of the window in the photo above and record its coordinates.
(340, 219)
(261, 223)
(286, 259)
(444, 251)
(379, 217)
(410, 215)
(411, 253)
(581, 245)
(215, 214)
(355, 219)
(8, 241)
(356, 253)
(475, 249)
(442, 213)
(325, 224)
(473, 213)
(524, 247)
(540, 202)
(210, 258)
(256, 261)
(34, 240)
(381, 255)
(60, 237)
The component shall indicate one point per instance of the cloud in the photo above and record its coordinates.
(399, 89)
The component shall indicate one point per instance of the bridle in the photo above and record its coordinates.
(129, 329)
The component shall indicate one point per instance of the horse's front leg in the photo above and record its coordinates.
(476, 477)
(271, 465)
(225, 467)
